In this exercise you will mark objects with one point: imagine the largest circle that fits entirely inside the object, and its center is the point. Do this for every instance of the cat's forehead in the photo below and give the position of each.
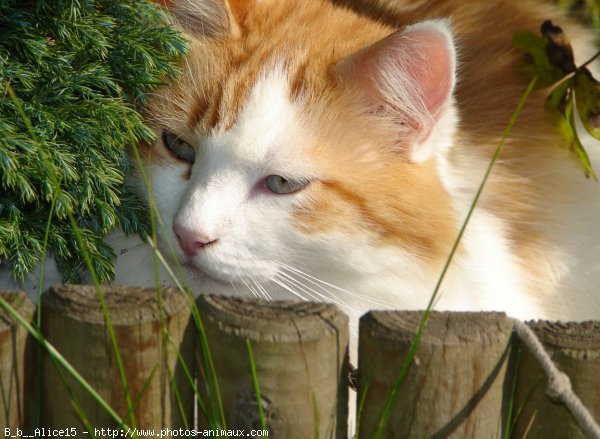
(268, 124)
(220, 74)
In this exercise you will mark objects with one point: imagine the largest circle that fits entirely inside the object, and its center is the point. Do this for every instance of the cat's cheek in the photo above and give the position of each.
(167, 191)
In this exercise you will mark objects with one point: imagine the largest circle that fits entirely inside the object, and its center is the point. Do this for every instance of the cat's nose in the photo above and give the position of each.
(191, 241)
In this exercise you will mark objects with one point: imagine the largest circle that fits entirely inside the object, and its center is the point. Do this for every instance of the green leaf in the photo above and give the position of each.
(587, 99)
(26, 189)
(568, 127)
(539, 65)
(556, 100)
(560, 102)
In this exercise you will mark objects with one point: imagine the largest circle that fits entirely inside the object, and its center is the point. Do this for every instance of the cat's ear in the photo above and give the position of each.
(407, 78)
(209, 17)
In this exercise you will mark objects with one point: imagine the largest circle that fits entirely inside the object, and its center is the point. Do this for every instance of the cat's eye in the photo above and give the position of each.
(179, 147)
(279, 185)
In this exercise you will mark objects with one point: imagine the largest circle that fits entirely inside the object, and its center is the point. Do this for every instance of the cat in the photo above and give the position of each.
(329, 151)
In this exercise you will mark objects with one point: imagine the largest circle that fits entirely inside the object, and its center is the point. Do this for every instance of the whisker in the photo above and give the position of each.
(277, 280)
(330, 298)
(233, 285)
(252, 290)
(318, 282)
(312, 292)
(260, 288)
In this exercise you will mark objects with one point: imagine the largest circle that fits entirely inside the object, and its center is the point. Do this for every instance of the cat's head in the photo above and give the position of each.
(301, 141)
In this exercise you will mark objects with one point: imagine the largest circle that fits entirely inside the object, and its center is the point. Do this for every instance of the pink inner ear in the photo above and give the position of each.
(432, 67)
(414, 67)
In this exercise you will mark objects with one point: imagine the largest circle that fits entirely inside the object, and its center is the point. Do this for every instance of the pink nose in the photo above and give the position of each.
(191, 241)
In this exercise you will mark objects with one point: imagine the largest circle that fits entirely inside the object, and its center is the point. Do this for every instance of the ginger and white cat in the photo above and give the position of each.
(309, 151)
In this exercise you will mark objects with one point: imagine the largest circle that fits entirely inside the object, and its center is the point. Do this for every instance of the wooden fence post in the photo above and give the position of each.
(454, 388)
(301, 356)
(16, 365)
(73, 321)
(575, 349)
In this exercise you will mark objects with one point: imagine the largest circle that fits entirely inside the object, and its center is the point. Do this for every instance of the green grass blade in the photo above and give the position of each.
(509, 425)
(38, 320)
(180, 406)
(316, 416)
(361, 405)
(190, 379)
(261, 413)
(43, 262)
(521, 407)
(74, 400)
(165, 338)
(143, 390)
(83, 418)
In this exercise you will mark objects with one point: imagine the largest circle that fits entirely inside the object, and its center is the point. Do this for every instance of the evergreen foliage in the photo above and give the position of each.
(73, 76)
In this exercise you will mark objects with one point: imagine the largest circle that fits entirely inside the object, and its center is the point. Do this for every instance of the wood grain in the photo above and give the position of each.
(454, 388)
(74, 323)
(301, 356)
(16, 364)
(575, 349)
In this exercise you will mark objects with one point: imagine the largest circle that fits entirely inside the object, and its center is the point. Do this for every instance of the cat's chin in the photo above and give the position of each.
(201, 282)
(196, 274)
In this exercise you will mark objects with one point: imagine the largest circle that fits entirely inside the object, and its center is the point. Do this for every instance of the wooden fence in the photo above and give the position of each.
(470, 377)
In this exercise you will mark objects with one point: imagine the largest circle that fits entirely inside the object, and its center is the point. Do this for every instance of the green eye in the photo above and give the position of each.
(180, 148)
(279, 185)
